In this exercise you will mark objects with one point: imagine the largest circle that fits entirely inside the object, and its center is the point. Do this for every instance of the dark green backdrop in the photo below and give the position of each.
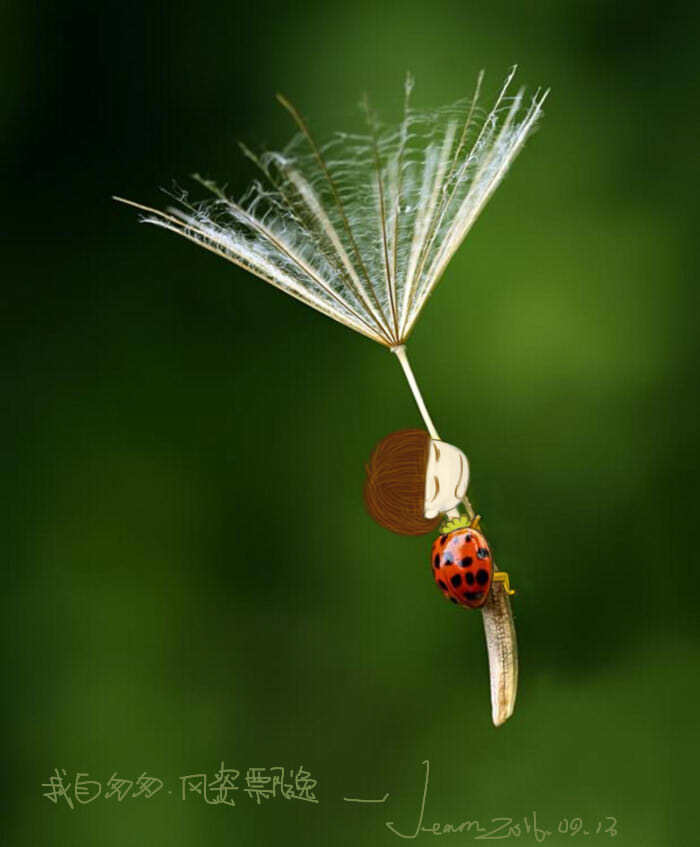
(189, 573)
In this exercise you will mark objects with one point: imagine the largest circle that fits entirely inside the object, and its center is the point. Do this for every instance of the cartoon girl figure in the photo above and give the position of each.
(414, 485)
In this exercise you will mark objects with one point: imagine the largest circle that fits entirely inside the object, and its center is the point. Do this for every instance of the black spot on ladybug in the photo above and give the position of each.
(473, 595)
(466, 561)
(442, 585)
(469, 576)
(469, 537)
(482, 553)
(452, 600)
(436, 561)
(448, 559)
(456, 580)
(482, 576)
(443, 540)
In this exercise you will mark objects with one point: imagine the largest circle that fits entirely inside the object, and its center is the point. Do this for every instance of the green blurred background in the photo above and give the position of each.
(189, 572)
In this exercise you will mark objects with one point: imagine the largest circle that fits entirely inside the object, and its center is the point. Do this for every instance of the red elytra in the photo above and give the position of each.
(463, 566)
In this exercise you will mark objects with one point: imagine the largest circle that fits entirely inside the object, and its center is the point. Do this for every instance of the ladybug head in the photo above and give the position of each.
(411, 479)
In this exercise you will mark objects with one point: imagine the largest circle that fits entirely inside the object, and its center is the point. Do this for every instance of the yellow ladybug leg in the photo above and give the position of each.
(475, 521)
(502, 576)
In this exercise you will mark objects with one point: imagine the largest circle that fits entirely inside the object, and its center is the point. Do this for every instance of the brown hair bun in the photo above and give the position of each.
(395, 484)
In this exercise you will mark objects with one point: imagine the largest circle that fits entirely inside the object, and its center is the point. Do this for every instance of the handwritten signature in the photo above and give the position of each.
(499, 828)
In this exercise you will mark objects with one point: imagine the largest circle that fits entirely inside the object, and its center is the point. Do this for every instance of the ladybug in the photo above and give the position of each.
(462, 564)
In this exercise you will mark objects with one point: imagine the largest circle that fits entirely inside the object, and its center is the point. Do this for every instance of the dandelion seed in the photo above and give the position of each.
(362, 228)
